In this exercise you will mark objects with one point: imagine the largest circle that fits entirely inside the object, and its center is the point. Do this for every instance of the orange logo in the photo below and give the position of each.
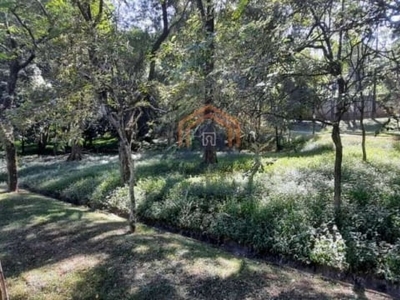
(209, 112)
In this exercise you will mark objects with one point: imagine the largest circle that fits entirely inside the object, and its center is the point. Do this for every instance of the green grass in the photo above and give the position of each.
(52, 250)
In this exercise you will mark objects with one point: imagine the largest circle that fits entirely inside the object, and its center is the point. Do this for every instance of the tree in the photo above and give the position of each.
(115, 67)
(27, 26)
(363, 78)
(334, 29)
(206, 10)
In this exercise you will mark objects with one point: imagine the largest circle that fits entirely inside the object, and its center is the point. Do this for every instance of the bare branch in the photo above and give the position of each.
(182, 15)
(305, 74)
(23, 24)
(27, 61)
(43, 9)
(328, 49)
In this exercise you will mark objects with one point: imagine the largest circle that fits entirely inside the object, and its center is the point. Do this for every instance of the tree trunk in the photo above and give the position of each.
(338, 166)
(259, 118)
(23, 146)
(157, 44)
(131, 191)
(7, 129)
(128, 166)
(123, 162)
(42, 143)
(373, 112)
(363, 137)
(11, 157)
(76, 152)
(7, 139)
(277, 140)
(3, 287)
(41, 146)
(206, 11)
(210, 155)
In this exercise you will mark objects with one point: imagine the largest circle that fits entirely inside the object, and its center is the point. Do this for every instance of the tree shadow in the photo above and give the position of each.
(38, 233)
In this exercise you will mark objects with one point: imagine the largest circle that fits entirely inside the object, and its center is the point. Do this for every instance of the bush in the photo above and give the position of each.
(79, 191)
(117, 201)
(109, 182)
(392, 263)
(329, 248)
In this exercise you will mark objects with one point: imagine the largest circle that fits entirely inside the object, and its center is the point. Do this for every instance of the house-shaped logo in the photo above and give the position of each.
(209, 112)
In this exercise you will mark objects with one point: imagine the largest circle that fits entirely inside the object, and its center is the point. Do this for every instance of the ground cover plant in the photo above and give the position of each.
(53, 250)
(285, 209)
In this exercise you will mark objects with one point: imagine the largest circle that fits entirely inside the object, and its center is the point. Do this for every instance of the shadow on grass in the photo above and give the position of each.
(42, 235)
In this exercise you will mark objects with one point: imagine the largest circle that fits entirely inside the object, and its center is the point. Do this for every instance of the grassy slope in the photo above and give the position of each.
(51, 250)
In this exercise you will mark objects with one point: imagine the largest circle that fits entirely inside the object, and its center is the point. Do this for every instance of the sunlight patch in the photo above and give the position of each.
(78, 263)
(220, 267)
(142, 249)
(111, 233)
(41, 277)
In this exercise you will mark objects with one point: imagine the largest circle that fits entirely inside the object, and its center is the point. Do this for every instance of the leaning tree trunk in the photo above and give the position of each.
(124, 168)
(76, 152)
(131, 191)
(3, 287)
(128, 164)
(338, 167)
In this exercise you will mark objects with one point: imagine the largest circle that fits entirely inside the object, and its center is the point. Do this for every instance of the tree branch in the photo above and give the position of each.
(100, 14)
(200, 7)
(159, 40)
(27, 61)
(43, 9)
(84, 13)
(22, 23)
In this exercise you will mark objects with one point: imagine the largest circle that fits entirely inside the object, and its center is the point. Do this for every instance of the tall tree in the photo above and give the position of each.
(334, 29)
(27, 26)
(206, 10)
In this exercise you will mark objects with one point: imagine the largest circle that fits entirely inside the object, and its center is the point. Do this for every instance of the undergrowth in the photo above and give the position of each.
(285, 209)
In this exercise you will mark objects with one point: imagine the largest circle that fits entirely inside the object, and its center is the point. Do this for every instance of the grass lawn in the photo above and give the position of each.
(52, 250)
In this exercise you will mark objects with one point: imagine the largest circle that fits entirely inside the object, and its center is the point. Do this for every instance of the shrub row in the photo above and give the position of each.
(286, 210)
